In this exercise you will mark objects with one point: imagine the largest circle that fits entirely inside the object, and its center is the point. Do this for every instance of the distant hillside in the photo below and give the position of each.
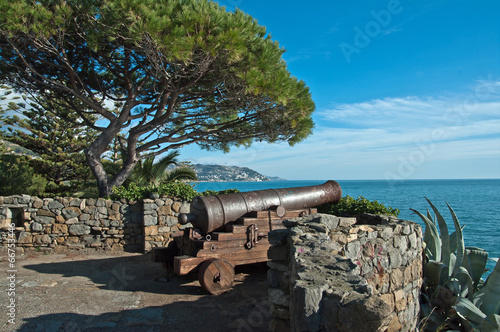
(12, 148)
(219, 173)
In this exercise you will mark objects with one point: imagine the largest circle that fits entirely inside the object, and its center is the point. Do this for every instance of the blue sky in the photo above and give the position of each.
(403, 89)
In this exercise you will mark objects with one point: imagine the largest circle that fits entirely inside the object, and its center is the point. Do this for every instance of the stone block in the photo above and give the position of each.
(412, 238)
(376, 315)
(396, 280)
(172, 221)
(386, 233)
(150, 207)
(388, 299)
(42, 239)
(305, 305)
(37, 203)
(53, 204)
(71, 212)
(164, 210)
(406, 229)
(346, 222)
(24, 238)
(394, 325)
(44, 220)
(164, 229)
(45, 213)
(93, 223)
(408, 274)
(26, 215)
(339, 238)
(395, 259)
(102, 210)
(75, 202)
(84, 217)
(185, 207)
(176, 206)
(72, 221)
(101, 202)
(151, 230)
(353, 249)
(79, 229)
(36, 227)
(115, 207)
(150, 220)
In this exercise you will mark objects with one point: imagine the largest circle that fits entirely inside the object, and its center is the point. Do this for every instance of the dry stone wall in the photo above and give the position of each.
(72, 223)
(345, 274)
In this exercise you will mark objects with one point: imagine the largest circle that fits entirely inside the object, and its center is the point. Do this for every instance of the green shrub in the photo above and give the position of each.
(131, 191)
(349, 206)
(180, 190)
(222, 192)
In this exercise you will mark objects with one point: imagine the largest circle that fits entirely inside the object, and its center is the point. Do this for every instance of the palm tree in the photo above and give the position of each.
(147, 172)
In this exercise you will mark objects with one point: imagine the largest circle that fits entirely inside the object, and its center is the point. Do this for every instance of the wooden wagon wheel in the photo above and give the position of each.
(216, 275)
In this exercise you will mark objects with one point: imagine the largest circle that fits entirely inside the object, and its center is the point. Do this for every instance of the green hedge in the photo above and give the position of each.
(180, 190)
(349, 206)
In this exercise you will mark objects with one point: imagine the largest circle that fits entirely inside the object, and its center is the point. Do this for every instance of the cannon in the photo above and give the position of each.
(231, 229)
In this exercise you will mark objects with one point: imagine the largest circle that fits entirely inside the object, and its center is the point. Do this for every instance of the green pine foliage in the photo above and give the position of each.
(17, 177)
(161, 73)
(57, 142)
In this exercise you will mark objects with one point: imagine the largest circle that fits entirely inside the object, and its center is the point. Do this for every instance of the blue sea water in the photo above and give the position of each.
(475, 202)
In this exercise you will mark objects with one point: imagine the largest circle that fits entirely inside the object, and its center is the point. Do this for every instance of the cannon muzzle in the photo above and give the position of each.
(210, 213)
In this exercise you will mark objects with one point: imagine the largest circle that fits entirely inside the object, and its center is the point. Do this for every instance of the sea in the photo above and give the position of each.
(475, 202)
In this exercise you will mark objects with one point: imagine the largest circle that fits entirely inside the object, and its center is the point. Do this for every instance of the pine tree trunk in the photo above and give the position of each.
(94, 162)
(104, 183)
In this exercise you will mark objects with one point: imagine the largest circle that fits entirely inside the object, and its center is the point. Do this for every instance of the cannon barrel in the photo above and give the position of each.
(210, 213)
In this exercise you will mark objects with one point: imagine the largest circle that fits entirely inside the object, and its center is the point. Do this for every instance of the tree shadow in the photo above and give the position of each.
(244, 308)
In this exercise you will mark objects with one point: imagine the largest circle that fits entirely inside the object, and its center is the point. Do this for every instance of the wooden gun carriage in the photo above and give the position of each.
(231, 229)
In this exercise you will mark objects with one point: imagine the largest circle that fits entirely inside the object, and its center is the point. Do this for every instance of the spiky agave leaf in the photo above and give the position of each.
(468, 310)
(475, 262)
(445, 238)
(436, 273)
(463, 283)
(460, 240)
(433, 241)
(488, 298)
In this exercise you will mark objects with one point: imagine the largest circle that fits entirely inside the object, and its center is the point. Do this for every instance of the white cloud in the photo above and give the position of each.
(368, 139)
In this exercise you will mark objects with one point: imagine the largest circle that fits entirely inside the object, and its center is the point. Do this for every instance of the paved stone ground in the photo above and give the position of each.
(120, 292)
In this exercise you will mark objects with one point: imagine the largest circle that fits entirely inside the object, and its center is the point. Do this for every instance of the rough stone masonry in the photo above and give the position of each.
(345, 274)
(52, 224)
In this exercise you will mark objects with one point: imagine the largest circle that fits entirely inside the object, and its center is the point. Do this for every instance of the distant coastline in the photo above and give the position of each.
(222, 173)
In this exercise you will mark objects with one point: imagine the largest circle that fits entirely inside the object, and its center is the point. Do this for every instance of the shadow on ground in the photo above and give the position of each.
(123, 295)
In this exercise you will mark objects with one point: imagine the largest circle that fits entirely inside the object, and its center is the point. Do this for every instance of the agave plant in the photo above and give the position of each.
(453, 272)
